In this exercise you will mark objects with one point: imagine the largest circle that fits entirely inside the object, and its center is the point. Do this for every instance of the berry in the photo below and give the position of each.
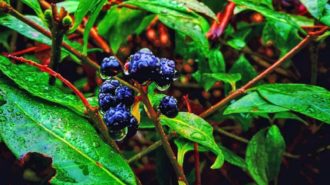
(117, 118)
(167, 72)
(110, 66)
(109, 86)
(132, 127)
(106, 100)
(125, 95)
(143, 65)
(168, 106)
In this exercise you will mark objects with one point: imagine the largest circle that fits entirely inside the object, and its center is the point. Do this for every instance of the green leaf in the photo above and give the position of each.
(69, 5)
(208, 79)
(315, 7)
(120, 22)
(36, 83)
(263, 155)
(79, 155)
(156, 6)
(253, 103)
(83, 9)
(239, 37)
(216, 61)
(269, 13)
(24, 29)
(196, 129)
(289, 115)
(91, 20)
(185, 146)
(35, 5)
(312, 101)
(326, 17)
(232, 158)
(243, 67)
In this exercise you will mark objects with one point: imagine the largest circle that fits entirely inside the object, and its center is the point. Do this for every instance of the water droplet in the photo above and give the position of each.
(163, 88)
(118, 135)
(104, 77)
(96, 144)
(164, 11)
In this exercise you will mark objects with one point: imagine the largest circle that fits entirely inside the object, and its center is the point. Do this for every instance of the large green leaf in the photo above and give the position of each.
(315, 7)
(232, 158)
(216, 61)
(312, 101)
(208, 79)
(326, 16)
(79, 155)
(243, 67)
(263, 155)
(196, 129)
(35, 5)
(177, 5)
(253, 103)
(69, 5)
(36, 83)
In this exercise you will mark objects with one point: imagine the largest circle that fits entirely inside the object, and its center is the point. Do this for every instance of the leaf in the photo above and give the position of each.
(185, 146)
(243, 67)
(196, 129)
(269, 13)
(120, 22)
(208, 79)
(216, 61)
(83, 9)
(36, 83)
(253, 103)
(239, 37)
(178, 5)
(25, 30)
(35, 5)
(263, 155)
(69, 5)
(91, 20)
(79, 155)
(312, 101)
(289, 115)
(232, 158)
(315, 7)
(326, 17)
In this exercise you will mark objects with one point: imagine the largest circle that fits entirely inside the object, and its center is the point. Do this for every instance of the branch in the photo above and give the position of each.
(154, 116)
(92, 112)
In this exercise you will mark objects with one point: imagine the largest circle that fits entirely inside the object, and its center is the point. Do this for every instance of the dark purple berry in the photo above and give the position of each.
(109, 86)
(125, 95)
(143, 65)
(117, 118)
(110, 66)
(168, 106)
(106, 100)
(132, 127)
(166, 73)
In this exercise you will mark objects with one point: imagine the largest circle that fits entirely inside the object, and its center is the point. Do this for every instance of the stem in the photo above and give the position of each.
(92, 112)
(164, 138)
(243, 89)
(152, 147)
(196, 154)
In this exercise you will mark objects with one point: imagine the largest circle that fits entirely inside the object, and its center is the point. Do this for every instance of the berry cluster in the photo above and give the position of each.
(115, 99)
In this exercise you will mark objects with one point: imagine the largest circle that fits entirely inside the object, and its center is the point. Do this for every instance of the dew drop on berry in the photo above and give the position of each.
(104, 77)
(118, 135)
(163, 88)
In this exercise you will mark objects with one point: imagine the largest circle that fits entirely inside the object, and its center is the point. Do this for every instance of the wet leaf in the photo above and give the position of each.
(36, 82)
(315, 7)
(69, 5)
(263, 155)
(78, 153)
(312, 101)
(196, 129)
(35, 5)
(216, 61)
(243, 67)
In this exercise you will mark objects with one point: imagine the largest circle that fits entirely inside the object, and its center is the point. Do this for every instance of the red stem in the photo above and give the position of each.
(196, 153)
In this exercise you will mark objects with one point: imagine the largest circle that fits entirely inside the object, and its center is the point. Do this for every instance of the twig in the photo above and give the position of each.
(154, 116)
(152, 147)
(92, 112)
(196, 154)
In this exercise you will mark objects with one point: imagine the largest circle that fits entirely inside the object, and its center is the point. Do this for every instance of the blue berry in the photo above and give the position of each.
(168, 106)
(106, 100)
(132, 127)
(143, 65)
(117, 118)
(109, 86)
(125, 95)
(110, 66)
(166, 73)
